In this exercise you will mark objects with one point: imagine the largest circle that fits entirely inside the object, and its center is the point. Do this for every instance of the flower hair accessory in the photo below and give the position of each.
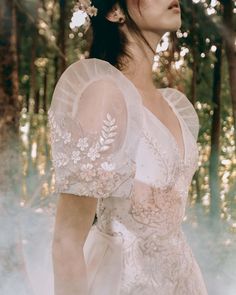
(82, 12)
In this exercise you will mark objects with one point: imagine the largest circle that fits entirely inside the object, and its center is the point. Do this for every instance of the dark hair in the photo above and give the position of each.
(108, 41)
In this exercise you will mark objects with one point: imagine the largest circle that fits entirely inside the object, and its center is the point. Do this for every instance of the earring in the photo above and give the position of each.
(121, 20)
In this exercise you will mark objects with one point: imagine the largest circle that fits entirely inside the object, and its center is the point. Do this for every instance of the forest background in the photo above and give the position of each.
(37, 44)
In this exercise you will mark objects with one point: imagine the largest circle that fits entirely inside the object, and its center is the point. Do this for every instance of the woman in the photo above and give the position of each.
(127, 151)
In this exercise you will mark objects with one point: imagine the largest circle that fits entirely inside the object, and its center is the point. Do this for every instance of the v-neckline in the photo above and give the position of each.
(181, 158)
(170, 134)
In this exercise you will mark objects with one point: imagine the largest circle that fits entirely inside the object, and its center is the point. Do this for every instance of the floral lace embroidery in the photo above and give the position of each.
(173, 169)
(88, 164)
(170, 169)
(156, 256)
(93, 152)
(164, 206)
(163, 210)
(168, 265)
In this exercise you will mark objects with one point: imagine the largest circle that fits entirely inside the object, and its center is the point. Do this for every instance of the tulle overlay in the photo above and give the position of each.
(107, 145)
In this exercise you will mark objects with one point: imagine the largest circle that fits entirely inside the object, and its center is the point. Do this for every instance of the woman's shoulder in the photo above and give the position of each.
(85, 64)
(82, 72)
(91, 69)
(86, 77)
(95, 78)
(85, 72)
(185, 108)
(88, 70)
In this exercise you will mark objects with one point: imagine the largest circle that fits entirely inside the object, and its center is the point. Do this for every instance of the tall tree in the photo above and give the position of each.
(12, 259)
(215, 132)
(33, 69)
(62, 34)
(229, 33)
(9, 103)
(10, 106)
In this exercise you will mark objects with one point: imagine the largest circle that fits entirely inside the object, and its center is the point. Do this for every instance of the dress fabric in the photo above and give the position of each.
(106, 144)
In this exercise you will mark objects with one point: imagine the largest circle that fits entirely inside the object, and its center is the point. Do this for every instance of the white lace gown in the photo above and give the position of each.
(106, 144)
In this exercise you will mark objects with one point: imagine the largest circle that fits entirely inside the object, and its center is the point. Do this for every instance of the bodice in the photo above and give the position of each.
(157, 202)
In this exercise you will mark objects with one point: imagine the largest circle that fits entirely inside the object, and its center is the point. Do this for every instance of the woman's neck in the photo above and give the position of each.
(139, 69)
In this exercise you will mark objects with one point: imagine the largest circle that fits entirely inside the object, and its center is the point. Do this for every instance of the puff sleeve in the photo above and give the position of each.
(185, 109)
(88, 131)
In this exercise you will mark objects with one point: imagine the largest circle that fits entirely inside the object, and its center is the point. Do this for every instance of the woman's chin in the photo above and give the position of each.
(175, 27)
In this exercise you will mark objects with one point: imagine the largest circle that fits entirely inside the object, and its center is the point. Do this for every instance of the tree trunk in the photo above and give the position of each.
(27, 101)
(194, 78)
(12, 271)
(230, 49)
(62, 34)
(215, 134)
(9, 104)
(45, 84)
(37, 101)
(197, 177)
(194, 56)
(33, 82)
(56, 70)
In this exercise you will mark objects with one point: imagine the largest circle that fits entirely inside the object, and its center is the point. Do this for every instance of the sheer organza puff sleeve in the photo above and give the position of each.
(90, 120)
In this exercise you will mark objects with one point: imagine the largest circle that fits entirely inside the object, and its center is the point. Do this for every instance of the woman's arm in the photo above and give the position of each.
(74, 218)
(88, 121)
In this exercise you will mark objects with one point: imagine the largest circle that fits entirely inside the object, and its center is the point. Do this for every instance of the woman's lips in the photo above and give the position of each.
(175, 9)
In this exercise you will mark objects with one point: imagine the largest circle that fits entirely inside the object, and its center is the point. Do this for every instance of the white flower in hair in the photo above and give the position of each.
(82, 10)
(78, 19)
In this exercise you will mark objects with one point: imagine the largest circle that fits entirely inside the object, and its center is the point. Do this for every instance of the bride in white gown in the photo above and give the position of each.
(127, 151)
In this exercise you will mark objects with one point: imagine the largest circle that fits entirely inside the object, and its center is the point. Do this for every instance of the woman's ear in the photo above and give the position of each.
(116, 15)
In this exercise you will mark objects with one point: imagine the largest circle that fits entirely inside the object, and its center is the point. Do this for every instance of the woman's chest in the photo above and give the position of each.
(158, 158)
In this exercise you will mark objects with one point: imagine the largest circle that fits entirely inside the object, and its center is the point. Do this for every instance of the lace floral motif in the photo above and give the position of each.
(83, 148)
(170, 169)
(85, 161)
(165, 267)
(163, 210)
(174, 168)
(151, 268)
